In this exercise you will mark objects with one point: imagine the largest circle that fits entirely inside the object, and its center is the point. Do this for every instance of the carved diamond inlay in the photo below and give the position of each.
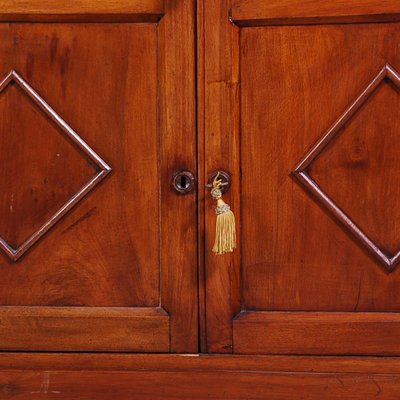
(96, 170)
(302, 170)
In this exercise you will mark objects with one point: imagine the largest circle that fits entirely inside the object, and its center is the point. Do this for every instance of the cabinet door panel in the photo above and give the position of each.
(315, 134)
(89, 141)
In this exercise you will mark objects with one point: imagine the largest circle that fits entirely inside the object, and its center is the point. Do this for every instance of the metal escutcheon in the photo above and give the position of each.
(183, 182)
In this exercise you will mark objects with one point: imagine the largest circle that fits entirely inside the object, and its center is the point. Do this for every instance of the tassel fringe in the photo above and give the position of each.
(225, 233)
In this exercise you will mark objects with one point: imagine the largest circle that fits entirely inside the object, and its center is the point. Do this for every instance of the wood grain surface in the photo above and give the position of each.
(152, 377)
(286, 86)
(115, 252)
(178, 146)
(84, 329)
(77, 10)
(289, 12)
(219, 140)
(317, 333)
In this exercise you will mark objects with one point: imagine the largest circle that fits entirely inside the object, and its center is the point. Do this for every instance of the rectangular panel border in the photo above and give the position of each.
(292, 12)
(79, 11)
(84, 329)
(317, 333)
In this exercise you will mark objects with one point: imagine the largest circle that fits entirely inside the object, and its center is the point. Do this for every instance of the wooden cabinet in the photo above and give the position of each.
(103, 261)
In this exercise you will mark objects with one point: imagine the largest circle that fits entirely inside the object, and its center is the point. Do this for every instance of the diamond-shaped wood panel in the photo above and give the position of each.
(58, 200)
(302, 170)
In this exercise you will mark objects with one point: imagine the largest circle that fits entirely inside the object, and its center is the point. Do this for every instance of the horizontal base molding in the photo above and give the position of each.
(319, 333)
(84, 329)
(145, 377)
(197, 362)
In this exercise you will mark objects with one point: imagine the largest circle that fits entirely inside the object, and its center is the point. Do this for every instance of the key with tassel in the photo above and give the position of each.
(225, 233)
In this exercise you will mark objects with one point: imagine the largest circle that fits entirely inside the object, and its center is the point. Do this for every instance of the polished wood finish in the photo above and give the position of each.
(63, 269)
(105, 277)
(118, 272)
(178, 147)
(13, 222)
(323, 268)
(318, 101)
(199, 377)
(66, 329)
(201, 173)
(219, 139)
(289, 12)
(237, 385)
(197, 362)
(317, 333)
(77, 10)
(390, 257)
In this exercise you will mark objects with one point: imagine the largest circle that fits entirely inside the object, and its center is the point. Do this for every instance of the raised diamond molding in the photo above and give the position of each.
(103, 169)
(301, 170)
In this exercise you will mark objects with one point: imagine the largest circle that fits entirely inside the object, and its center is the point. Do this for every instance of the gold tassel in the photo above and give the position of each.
(225, 233)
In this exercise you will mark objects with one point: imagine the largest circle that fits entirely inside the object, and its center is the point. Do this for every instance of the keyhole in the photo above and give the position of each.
(183, 182)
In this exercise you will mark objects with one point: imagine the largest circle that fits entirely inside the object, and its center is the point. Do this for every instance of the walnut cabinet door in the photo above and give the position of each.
(300, 103)
(97, 105)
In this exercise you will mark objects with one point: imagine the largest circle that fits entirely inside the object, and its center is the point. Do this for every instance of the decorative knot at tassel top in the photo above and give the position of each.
(225, 234)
